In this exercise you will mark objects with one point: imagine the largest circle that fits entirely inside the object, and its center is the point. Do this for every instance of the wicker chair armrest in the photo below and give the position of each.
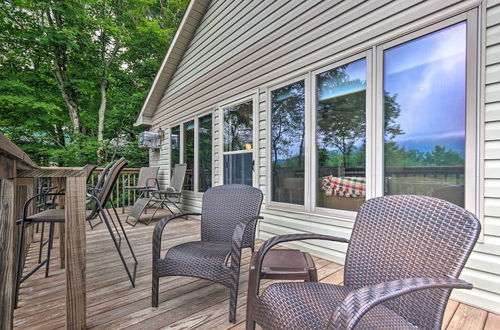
(158, 230)
(360, 301)
(237, 241)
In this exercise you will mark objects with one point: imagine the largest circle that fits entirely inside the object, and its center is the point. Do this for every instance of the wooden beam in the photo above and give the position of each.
(75, 253)
(7, 252)
(9, 150)
(7, 168)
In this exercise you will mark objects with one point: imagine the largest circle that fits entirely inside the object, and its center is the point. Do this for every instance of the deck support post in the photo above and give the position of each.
(75, 253)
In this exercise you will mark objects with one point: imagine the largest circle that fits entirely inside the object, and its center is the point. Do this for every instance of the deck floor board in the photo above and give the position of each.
(185, 303)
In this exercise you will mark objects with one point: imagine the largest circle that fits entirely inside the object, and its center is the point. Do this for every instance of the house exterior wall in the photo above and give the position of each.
(244, 46)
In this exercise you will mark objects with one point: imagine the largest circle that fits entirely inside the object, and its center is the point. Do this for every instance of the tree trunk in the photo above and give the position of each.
(102, 112)
(60, 66)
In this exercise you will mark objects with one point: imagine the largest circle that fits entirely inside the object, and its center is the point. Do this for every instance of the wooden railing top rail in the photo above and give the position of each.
(10, 150)
(12, 158)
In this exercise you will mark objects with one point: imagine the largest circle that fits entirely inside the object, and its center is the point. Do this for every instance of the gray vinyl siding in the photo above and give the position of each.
(483, 268)
(241, 46)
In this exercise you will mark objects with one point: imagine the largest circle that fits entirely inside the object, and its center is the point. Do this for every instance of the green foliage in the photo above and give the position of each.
(40, 40)
(439, 156)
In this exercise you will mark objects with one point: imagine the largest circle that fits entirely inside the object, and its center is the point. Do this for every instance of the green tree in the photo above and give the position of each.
(77, 73)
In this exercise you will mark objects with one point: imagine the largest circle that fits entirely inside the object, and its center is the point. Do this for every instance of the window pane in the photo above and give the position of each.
(175, 150)
(424, 90)
(189, 154)
(205, 153)
(287, 143)
(238, 127)
(238, 168)
(340, 136)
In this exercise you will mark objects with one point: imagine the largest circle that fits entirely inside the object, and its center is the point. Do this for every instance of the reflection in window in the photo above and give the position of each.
(238, 143)
(238, 168)
(189, 154)
(287, 143)
(175, 150)
(424, 88)
(340, 136)
(204, 153)
(238, 127)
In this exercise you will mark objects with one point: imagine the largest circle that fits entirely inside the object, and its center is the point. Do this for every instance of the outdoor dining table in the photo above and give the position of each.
(18, 177)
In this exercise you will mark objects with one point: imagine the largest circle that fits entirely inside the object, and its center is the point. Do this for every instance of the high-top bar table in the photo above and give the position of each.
(18, 176)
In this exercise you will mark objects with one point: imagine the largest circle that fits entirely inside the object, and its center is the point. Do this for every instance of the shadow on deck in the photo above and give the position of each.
(185, 302)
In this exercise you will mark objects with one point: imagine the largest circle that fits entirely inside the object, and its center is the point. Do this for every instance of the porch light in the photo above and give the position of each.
(248, 146)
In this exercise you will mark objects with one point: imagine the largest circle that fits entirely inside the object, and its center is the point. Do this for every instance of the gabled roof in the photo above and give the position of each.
(194, 13)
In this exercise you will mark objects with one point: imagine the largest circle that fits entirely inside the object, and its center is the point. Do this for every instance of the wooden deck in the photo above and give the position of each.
(185, 303)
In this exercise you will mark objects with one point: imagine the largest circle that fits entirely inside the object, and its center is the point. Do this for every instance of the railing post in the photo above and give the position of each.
(7, 252)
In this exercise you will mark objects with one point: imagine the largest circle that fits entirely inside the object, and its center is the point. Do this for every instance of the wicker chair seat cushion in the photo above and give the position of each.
(309, 305)
(204, 259)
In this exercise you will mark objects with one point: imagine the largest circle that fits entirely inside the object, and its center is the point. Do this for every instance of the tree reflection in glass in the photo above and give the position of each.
(287, 143)
(340, 136)
(189, 154)
(175, 150)
(238, 127)
(205, 153)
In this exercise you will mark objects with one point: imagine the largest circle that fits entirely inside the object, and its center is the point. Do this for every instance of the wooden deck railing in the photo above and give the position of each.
(128, 177)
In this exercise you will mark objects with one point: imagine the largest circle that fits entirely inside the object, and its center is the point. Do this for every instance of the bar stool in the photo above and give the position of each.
(53, 216)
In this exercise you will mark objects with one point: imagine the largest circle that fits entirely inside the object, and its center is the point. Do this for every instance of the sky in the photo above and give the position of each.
(429, 77)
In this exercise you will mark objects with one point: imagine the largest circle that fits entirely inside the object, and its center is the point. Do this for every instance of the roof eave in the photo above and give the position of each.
(194, 13)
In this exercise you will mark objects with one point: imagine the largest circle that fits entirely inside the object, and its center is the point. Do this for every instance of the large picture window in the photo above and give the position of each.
(189, 155)
(425, 115)
(175, 147)
(288, 143)
(191, 144)
(341, 136)
(238, 143)
(397, 118)
(204, 153)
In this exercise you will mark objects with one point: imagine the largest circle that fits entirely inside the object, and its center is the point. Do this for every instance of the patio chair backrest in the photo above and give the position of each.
(406, 236)
(102, 176)
(88, 169)
(224, 206)
(108, 185)
(177, 180)
(147, 176)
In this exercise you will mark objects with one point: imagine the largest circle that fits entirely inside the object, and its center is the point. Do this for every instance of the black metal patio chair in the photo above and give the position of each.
(147, 180)
(168, 198)
(403, 259)
(228, 218)
(53, 216)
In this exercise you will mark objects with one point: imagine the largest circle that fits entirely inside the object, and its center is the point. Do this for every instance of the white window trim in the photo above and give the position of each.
(252, 95)
(307, 173)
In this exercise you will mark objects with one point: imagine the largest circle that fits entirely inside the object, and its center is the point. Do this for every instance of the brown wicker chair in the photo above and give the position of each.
(228, 218)
(403, 259)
